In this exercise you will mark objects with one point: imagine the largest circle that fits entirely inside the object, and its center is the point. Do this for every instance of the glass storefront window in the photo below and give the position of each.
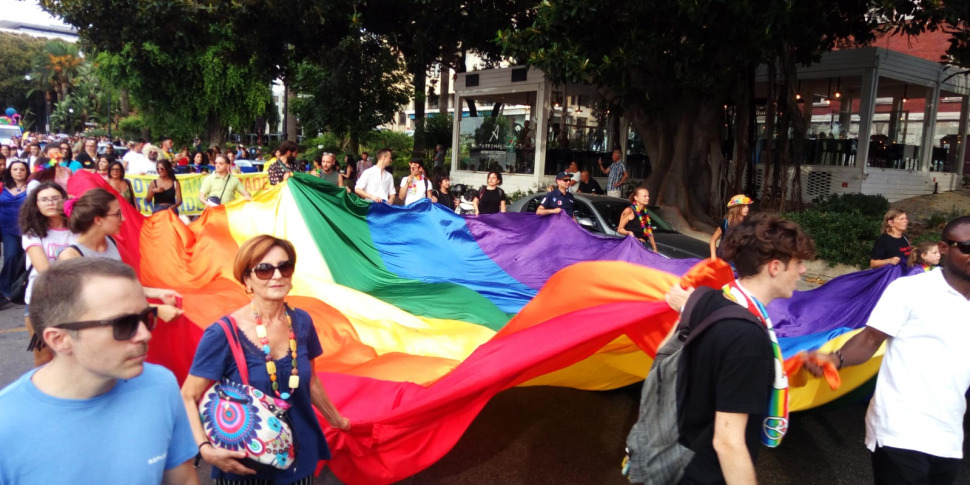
(577, 131)
(496, 136)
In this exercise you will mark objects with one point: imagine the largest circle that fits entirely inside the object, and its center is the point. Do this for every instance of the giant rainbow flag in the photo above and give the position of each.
(424, 314)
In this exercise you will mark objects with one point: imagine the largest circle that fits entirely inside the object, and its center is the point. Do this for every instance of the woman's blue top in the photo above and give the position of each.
(10, 210)
(213, 360)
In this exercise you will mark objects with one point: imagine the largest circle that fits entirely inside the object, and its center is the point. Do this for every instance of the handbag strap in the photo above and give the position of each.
(232, 336)
(229, 176)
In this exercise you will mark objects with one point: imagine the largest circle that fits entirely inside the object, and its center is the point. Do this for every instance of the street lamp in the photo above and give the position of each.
(27, 80)
(70, 120)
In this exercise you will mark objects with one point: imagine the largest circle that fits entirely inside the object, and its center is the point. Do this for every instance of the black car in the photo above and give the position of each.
(600, 214)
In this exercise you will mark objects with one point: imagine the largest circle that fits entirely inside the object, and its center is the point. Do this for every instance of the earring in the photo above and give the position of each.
(249, 290)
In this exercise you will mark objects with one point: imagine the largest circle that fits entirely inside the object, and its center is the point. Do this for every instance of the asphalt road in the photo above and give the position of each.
(545, 435)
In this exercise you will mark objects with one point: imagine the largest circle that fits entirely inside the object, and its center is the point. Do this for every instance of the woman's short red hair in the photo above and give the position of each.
(254, 250)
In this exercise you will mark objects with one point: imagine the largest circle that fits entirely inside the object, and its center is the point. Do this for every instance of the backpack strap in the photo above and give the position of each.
(729, 312)
(232, 336)
(684, 328)
(689, 329)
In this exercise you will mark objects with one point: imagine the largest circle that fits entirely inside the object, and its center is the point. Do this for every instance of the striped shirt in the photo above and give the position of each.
(617, 169)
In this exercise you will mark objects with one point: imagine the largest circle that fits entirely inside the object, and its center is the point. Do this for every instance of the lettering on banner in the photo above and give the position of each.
(190, 184)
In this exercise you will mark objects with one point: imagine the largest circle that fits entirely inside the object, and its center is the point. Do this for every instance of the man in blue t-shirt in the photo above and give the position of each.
(559, 200)
(96, 413)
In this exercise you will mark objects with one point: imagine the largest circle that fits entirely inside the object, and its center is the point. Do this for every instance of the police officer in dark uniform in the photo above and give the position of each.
(559, 200)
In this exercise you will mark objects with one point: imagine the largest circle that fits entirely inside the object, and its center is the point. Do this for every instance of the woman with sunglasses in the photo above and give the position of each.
(117, 181)
(268, 330)
(164, 192)
(45, 233)
(95, 218)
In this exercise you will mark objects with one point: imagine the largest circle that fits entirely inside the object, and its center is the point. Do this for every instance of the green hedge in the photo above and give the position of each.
(844, 227)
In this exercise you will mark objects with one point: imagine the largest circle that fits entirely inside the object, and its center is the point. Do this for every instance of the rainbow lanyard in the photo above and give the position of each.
(775, 424)
(644, 218)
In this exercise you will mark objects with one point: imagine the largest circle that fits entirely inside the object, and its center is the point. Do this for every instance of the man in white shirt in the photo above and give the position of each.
(136, 163)
(376, 183)
(914, 426)
(416, 185)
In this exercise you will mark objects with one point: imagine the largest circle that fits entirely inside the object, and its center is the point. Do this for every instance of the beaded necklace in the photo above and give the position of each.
(261, 333)
(644, 218)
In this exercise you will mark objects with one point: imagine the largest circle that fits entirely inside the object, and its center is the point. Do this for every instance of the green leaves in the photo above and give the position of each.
(844, 227)
(369, 78)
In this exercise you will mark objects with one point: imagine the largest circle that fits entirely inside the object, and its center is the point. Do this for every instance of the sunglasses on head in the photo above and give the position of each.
(963, 246)
(124, 327)
(265, 271)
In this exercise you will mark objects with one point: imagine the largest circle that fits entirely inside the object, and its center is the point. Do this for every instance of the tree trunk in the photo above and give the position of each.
(291, 117)
(353, 146)
(444, 97)
(683, 147)
(420, 94)
(796, 119)
(743, 131)
(125, 104)
(62, 91)
(767, 157)
(217, 134)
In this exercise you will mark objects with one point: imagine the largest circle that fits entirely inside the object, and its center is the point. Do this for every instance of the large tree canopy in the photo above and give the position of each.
(369, 78)
(183, 63)
(17, 52)
(675, 65)
(429, 32)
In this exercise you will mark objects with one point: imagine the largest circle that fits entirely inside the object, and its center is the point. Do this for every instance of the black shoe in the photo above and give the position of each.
(4, 302)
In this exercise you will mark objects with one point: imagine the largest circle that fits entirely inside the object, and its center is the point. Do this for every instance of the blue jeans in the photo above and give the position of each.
(12, 248)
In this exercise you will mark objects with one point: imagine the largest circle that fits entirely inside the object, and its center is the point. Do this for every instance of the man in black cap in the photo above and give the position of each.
(559, 200)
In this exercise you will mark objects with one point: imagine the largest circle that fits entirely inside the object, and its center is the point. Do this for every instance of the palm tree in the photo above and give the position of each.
(57, 65)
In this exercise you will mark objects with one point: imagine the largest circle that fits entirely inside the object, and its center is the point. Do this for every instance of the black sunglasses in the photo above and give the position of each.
(125, 327)
(265, 271)
(963, 246)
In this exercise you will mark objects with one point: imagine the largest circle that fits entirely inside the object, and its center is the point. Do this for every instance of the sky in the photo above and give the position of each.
(27, 11)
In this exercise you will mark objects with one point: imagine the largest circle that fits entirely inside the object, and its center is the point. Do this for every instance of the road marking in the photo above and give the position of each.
(13, 330)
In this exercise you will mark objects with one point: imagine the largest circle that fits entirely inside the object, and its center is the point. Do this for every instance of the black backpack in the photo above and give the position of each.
(482, 189)
(655, 455)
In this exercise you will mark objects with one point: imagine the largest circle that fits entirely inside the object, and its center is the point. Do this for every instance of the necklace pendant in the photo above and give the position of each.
(294, 382)
(261, 331)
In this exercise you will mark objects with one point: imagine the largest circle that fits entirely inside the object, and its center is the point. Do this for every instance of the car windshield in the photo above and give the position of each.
(611, 211)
